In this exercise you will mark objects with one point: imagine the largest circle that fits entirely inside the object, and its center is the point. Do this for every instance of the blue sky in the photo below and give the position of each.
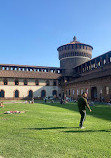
(32, 30)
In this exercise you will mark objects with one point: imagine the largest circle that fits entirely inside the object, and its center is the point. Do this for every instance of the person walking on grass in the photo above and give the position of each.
(82, 104)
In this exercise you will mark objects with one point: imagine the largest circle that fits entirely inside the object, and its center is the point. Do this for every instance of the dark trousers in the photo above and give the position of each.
(83, 116)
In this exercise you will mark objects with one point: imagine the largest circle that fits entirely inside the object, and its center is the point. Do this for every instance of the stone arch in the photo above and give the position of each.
(54, 93)
(30, 93)
(43, 93)
(2, 93)
(16, 93)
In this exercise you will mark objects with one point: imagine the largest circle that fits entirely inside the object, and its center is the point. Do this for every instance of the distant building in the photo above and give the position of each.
(26, 82)
(77, 73)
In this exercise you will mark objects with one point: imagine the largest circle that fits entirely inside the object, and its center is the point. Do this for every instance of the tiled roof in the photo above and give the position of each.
(75, 42)
(28, 74)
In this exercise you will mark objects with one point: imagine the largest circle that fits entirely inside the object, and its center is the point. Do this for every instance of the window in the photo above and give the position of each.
(107, 90)
(36, 82)
(47, 83)
(5, 82)
(99, 63)
(104, 61)
(30, 94)
(81, 91)
(16, 94)
(77, 92)
(101, 91)
(16, 82)
(54, 93)
(69, 91)
(2, 94)
(25, 82)
(43, 93)
(86, 90)
(54, 83)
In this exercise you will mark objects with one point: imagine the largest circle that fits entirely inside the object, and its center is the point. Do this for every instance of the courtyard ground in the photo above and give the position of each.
(51, 131)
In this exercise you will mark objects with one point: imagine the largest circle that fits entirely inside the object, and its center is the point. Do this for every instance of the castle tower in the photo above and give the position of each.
(73, 54)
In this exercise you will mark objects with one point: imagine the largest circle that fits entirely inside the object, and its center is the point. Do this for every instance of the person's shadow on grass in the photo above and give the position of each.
(70, 131)
(49, 128)
(85, 131)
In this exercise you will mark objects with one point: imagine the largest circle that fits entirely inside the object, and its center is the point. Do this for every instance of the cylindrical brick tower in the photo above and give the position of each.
(73, 54)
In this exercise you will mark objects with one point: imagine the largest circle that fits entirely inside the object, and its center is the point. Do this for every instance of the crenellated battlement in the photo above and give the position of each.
(96, 63)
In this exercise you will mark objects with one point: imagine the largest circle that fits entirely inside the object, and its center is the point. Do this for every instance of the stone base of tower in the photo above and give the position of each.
(69, 63)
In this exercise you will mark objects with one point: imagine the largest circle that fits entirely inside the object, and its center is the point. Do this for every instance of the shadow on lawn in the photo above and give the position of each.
(72, 131)
(99, 110)
(85, 131)
(50, 128)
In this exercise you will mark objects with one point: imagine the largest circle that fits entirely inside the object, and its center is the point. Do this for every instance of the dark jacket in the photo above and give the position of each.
(82, 104)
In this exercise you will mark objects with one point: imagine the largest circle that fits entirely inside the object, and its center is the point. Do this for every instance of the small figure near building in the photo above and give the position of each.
(1, 105)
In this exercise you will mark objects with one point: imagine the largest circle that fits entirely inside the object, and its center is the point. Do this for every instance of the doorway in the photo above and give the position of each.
(94, 93)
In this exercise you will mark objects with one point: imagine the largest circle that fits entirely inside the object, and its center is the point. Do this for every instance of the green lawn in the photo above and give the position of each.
(51, 131)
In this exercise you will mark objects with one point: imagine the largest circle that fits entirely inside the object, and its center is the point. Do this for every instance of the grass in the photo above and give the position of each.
(51, 131)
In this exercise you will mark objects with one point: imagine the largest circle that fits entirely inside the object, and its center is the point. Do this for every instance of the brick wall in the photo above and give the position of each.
(99, 83)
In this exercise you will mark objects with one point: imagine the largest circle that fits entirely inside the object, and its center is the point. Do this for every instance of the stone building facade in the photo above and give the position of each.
(21, 82)
(77, 73)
